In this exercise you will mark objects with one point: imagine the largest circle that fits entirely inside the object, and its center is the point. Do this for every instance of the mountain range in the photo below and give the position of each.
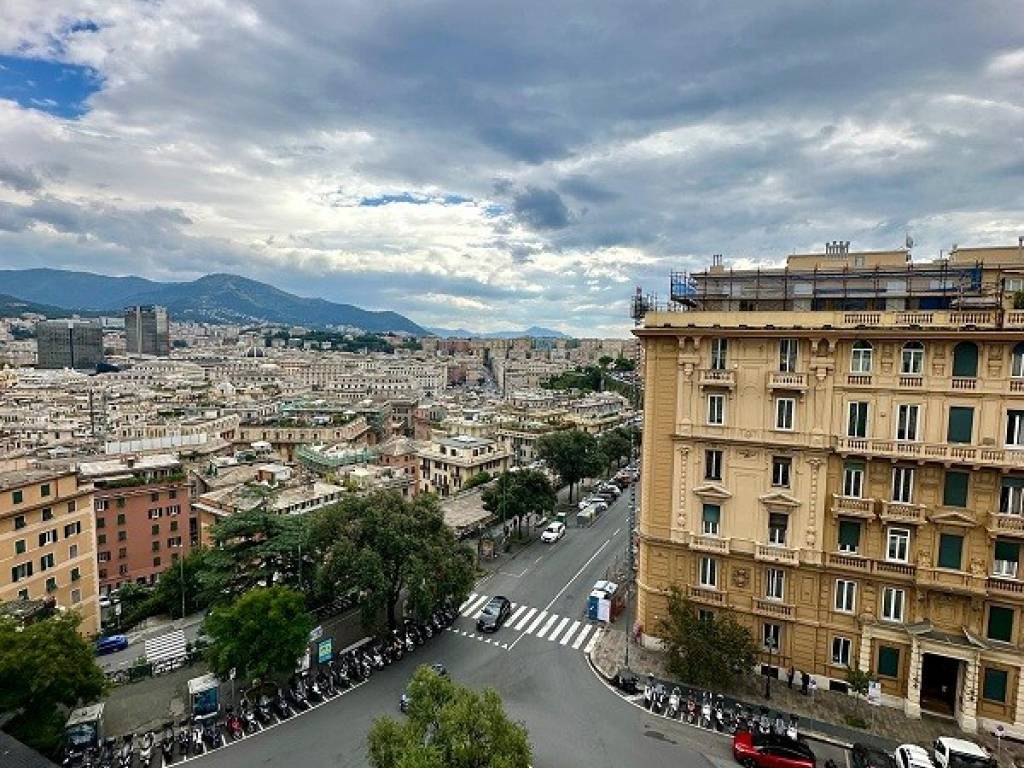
(216, 298)
(11, 306)
(534, 331)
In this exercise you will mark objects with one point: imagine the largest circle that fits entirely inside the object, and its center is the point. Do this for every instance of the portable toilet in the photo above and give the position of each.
(203, 696)
(83, 731)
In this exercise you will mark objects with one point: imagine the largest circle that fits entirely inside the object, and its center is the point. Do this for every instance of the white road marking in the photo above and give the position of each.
(525, 619)
(518, 612)
(593, 640)
(465, 605)
(478, 603)
(582, 636)
(569, 633)
(536, 622)
(617, 531)
(558, 630)
(577, 574)
(547, 626)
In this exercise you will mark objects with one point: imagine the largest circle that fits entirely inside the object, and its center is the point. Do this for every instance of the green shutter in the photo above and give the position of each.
(888, 661)
(849, 533)
(965, 359)
(961, 424)
(712, 513)
(994, 688)
(1013, 481)
(954, 494)
(1007, 550)
(1000, 624)
(951, 549)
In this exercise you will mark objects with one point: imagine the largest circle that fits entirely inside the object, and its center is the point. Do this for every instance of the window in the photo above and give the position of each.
(120, 502)
(716, 409)
(787, 355)
(857, 423)
(853, 479)
(101, 505)
(47, 514)
(101, 522)
(44, 489)
(719, 349)
(711, 519)
(846, 592)
(893, 600)
(903, 484)
(1015, 429)
(771, 636)
(784, 409)
(703, 614)
(155, 513)
(155, 546)
(101, 538)
(155, 530)
(951, 550)
(174, 525)
(19, 547)
(778, 522)
(19, 522)
(154, 496)
(860, 357)
(122, 552)
(907, 421)
(781, 466)
(120, 518)
(1017, 362)
(898, 545)
(841, 651)
(76, 596)
(174, 541)
(961, 424)
(72, 552)
(888, 661)
(76, 574)
(774, 584)
(46, 562)
(994, 685)
(122, 570)
(17, 497)
(1005, 557)
(965, 360)
(712, 465)
(72, 506)
(122, 535)
(849, 536)
(72, 529)
(47, 537)
(1000, 624)
(912, 362)
(1011, 498)
(708, 572)
(51, 583)
(156, 562)
(21, 571)
(103, 557)
(954, 489)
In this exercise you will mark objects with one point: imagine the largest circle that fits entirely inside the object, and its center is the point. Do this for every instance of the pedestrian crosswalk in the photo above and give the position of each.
(169, 646)
(577, 634)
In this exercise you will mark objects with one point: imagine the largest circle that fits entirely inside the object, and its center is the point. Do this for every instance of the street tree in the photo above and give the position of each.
(616, 445)
(261, 633)
(389, 548)
(478, 479)
(859, 682)
(572, 454)
(518, 494)
(448, 726)
(46, 668)
(182, 584)
(605, 360)
(710, 652)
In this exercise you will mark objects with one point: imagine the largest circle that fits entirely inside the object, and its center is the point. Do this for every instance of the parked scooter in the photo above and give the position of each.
(793, 730)
(705, 710)
(146, 750)
(281, 706)
(649, 692)
(234, 725)
(167, 744)
(126, 754)
(197, 747)
(674, 702)
(184, 735)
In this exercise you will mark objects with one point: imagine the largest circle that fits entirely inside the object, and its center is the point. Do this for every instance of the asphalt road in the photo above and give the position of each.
(545, 682)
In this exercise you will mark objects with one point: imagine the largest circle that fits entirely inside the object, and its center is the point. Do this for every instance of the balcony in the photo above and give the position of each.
(953, 581)
(707, 595)
(712, 377)
(907, 381)
(1004, 586)
(790, 381)
(848, 562)
(1007, 525)
(771, 553)
(773, 608)
(709, 544)
(972, 455)
(894, 570)
(858, 379)
(851, 506)
(963, 383)
(899, 512)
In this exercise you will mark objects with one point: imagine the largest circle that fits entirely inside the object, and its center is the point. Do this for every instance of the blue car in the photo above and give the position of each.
(110, 644)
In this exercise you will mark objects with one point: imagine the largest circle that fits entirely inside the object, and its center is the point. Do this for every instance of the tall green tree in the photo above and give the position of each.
(261, 633)
(572, 454)
(448, 726)
(708, 652)
(389, 548)
(517, 494)
(616, 445)
(184, 580)
(45, 668)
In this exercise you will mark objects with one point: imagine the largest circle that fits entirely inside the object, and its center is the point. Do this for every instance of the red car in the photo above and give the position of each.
(755, 750)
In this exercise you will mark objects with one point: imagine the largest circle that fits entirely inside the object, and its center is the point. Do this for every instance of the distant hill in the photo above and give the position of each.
(534, 331)
(217, 298)
(14, 307)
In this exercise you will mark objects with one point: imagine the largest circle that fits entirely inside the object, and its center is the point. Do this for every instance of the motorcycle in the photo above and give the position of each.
(212, 734)
(403, 703)
(778, 726)
(793, 730)
(234, 725)
(108, 753)
(146, 750)
(183, 738)
(297, 695)
(264, 709)
(197, 747)
(649, 692)
(658, 700)
(249, 724)
(764, 725)
(705, 711)
(167, 744)
(314, 695)
(281, 705)
(691, 709)
(126, 754)
(673, 703)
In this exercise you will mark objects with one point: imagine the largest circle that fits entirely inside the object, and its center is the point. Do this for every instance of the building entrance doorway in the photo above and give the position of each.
(940, 680)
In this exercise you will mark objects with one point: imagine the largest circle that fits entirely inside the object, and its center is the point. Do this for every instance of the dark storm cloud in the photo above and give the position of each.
(540, 208)
(19, 178)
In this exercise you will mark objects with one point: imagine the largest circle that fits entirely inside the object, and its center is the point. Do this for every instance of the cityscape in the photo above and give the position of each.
(426, 386)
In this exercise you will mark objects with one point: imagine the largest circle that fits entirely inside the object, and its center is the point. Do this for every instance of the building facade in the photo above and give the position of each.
(147, 331)
(846, 473)
(446, 464)
(75, 344)
(47, 540)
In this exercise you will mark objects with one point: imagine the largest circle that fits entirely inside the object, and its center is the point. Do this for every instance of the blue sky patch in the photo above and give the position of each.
(49, 86)
(414, 199)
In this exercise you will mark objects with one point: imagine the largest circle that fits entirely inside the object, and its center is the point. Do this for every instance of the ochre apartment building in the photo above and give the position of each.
(834, 452)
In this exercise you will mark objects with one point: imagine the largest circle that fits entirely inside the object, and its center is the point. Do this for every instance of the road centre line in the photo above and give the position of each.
(577, 574)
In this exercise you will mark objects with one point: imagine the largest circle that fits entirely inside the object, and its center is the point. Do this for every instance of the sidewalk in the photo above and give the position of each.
(823, 716)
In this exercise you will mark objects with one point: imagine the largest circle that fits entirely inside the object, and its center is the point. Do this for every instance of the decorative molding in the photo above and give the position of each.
(712, 491)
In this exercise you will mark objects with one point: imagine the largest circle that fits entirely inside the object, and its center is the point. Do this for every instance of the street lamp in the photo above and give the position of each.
(773, 645)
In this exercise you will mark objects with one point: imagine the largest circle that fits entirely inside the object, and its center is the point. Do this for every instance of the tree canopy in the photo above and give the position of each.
(517, 494)
(478, 479)
(617, 444)
(710, 652)
(263, 632)
(44, 667)
(572, 454)
(448, 726)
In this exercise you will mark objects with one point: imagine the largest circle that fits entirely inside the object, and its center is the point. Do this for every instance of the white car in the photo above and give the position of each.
(553, 533)
(912, 756)
(590, 500)
(951, 752)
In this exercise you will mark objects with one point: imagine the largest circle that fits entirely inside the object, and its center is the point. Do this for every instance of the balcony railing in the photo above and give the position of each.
(1006, 586)
(902, 570)
(773, 608)
(953, 580)
(707, 595)
(900, 512)
(848, 562)
(713, 377)
(859, 379)
(773, 553)
(709, 544)
(963, 454)
(1012, 525)
(911, 381)
(963, 382)
(780, 380)
(851, 506)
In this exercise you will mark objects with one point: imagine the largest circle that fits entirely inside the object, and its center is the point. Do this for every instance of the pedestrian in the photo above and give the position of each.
(804, 682)
(790, 675)
(814, 686)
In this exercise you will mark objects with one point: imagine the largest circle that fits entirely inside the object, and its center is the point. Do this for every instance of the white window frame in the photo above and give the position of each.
(716, 398)
(788, 359)
(772, 531)
(709, 528)
(1017, 428)
(894, 601)
(713, 461)
(851, 421)
(775, 584)
(842, 648)
(861, 360)
(1016, 364)
(708, 576)
(782, 465)
(47, 561)
(1014, 500)
(785, 413)
(719, 354)
(908, 422)
(845, 595)
(853, 476)
(912, 359)
(902, 484)
(46, 538)
(900, 537)
(771, 635)
(1005, 569)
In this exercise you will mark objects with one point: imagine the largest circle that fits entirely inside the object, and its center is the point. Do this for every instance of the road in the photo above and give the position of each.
(545, 682)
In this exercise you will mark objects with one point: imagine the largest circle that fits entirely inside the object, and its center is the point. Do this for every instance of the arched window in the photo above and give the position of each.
(860, 357)
(1017, 362)
(965, 360)
(912, 362)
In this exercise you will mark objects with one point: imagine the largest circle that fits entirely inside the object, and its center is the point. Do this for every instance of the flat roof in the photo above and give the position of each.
(16, 478)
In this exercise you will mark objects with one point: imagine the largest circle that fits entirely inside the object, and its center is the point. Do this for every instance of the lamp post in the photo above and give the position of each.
(772, 646)
(181, 574)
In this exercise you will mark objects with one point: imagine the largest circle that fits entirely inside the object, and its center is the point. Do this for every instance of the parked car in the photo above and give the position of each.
(592, 499)
(553, 533)
(950, 752)
(757, 750)
(866, 756)
(111, 644)
(912, 756)
(611, 488)
(495, 613)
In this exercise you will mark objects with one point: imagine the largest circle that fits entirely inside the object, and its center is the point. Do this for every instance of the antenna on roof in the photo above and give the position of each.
(909, 241)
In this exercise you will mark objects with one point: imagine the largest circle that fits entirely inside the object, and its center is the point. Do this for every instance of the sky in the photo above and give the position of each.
(500, 165)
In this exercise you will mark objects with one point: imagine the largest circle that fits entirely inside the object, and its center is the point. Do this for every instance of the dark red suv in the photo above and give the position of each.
(755, 750)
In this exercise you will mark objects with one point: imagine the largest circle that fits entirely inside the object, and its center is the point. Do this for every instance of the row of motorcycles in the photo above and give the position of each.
(711, 711)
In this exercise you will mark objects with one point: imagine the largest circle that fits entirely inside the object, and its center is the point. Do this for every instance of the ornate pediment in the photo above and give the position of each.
(712, 491)
(779, 499)
(952, 517)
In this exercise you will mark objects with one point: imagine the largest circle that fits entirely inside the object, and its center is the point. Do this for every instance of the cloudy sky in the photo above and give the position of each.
(494, 165)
